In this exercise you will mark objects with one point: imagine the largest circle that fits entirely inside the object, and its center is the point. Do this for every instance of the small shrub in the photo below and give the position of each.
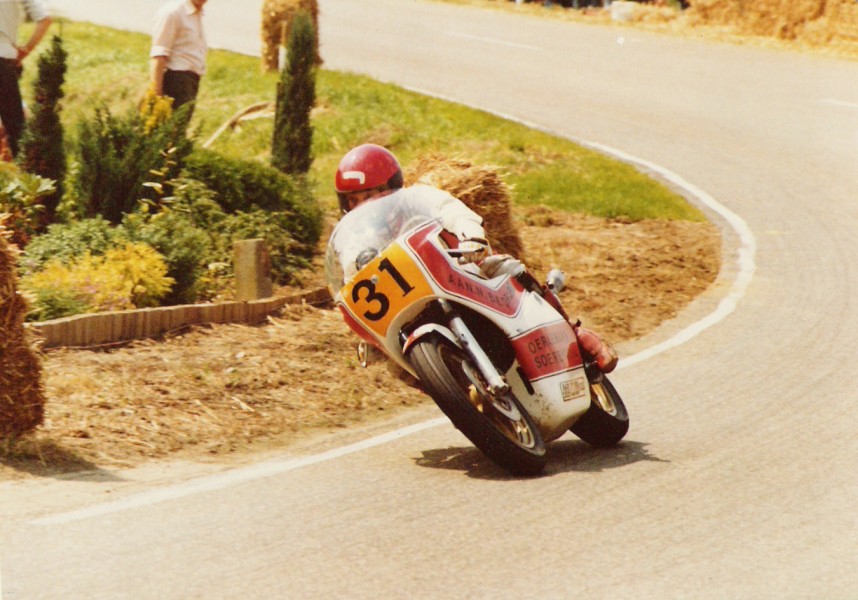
(21, 197)
(131, 276)
(186, 248)
(246, 186)
(117, 157)
(42, 145)
(296, 95)
(65, 241)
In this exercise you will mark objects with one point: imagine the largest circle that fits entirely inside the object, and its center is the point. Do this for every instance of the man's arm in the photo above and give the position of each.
(36, 37)
(157, 67)
(163, 36)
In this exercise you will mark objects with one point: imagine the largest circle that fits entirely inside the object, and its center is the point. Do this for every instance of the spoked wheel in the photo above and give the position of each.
(606, 422)
(500, 427)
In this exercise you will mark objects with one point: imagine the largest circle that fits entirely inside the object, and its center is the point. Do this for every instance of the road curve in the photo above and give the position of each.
(738, 477)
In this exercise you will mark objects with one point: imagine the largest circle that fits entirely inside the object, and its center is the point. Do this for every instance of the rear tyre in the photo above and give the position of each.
(500, 428)
(606, 422)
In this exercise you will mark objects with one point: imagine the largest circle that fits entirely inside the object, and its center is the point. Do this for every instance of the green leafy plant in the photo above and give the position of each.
(63, 242)
(130, 276)
(21, 196)
(186, 248)
(117, 157)
(247, 186)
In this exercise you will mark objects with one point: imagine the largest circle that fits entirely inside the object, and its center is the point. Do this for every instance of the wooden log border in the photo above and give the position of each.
(107, 328)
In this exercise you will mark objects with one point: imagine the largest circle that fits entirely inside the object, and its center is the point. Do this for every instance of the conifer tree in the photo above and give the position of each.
(43, 151)
(296, 96)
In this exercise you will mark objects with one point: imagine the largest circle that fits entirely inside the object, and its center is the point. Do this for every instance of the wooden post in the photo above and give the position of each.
(252, 270)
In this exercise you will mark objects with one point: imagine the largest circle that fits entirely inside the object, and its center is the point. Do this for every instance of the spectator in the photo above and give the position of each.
(178, 56)
(11, 62)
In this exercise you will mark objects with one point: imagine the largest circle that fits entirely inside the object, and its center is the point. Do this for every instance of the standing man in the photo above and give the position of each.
(178, 56)
(11, 61)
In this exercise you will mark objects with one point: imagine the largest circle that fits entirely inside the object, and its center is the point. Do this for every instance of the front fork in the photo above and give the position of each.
(496, 384)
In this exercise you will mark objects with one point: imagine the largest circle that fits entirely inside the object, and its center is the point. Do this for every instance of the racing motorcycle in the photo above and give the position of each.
(497, 355)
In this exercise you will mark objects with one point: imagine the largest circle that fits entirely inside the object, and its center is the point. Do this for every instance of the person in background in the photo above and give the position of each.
(178, 55)
(11, 61)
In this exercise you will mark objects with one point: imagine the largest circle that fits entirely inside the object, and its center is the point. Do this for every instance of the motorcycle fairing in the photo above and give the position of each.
(383, 290)
(547, 350)
(502, 296)
(549, 358)
(539, 399)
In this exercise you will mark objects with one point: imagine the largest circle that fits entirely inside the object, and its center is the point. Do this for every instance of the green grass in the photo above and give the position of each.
(111, 67)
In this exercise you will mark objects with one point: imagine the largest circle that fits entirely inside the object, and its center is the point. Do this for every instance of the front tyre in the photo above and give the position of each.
(500, 427)
(606, 422)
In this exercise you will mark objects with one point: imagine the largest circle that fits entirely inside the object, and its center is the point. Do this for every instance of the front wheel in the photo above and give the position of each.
(606, 422)
(500, 427)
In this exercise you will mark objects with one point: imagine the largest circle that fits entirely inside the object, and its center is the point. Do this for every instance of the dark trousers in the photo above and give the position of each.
(181, 86)
(11, 106)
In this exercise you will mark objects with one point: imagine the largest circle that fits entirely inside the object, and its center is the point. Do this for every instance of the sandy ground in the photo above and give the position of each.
(217, 393)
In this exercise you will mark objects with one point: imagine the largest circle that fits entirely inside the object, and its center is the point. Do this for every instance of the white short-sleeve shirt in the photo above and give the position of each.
(10, 18)
(178, 34)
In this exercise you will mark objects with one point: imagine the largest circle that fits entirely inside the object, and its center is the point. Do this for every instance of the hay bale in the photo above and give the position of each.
(277, 18)
(481, 188)
(782, 19)
(22, 398)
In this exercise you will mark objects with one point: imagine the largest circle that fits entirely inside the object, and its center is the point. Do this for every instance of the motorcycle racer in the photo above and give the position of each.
(369, 172)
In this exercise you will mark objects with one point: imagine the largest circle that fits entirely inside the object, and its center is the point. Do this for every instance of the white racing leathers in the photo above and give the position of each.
(454, 214)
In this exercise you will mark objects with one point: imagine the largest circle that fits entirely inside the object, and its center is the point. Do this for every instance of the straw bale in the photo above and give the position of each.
(480, 188)
(21, 396)
(277, 17)
(815, 21)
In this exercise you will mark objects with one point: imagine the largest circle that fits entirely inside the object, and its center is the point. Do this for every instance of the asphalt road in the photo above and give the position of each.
(738, 478)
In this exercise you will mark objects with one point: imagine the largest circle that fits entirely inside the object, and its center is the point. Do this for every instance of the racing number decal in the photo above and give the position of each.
(386, 287)
(371, 297)
(374, 297)
(386, 265)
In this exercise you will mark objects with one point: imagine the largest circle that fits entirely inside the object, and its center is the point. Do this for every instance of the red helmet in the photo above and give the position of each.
(366, 167)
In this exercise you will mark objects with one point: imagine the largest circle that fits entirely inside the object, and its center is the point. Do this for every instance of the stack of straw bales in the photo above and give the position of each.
(818, 20)
(21, 396)
(277, 17)
(481, 188)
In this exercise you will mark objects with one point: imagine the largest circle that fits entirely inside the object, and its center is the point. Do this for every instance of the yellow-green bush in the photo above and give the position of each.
(155, 110)
(126, 277)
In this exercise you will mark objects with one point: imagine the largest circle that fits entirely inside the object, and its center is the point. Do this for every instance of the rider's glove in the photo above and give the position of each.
(473, 250)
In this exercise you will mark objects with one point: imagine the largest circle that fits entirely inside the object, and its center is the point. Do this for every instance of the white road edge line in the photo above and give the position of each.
(746, 259)
(746, 268)
(230, 478)
(495, 41)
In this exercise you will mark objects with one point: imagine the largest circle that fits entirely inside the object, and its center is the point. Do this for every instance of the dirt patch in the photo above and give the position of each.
(216, 392)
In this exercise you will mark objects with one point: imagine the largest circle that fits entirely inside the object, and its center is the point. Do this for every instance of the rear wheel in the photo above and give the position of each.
(606, 422)
(500, 427)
